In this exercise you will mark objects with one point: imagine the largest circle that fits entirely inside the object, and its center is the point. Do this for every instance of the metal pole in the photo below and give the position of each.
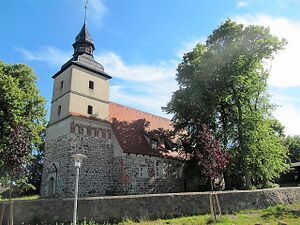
(76, 194)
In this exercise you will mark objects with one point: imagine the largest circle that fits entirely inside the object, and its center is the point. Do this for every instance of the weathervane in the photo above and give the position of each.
(85, 9)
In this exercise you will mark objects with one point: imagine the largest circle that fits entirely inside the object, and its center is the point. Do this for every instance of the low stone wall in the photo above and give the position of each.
(116, 208)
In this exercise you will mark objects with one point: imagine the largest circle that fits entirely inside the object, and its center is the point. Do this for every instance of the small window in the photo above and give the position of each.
(141, 172)
(90, 110)
(59, 110)
(153, 144)
(157, 169)
(61, 85)
(88, 49)
(91, 84)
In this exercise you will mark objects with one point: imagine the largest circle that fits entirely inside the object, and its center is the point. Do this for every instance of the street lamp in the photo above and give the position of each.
(78, 160)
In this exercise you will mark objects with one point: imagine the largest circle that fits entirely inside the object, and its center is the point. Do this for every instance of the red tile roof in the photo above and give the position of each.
(130, 127)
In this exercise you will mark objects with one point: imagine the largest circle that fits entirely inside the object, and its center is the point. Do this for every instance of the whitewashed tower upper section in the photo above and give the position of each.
(81, 87)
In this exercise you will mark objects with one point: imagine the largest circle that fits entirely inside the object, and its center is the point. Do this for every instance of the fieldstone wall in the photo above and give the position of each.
(58, 177)
(103, 172)
(152, 206)
(57, 165)
(138, 174)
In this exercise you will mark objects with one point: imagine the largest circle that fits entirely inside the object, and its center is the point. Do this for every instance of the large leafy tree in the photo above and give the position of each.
(22, 114)
(293, 145)
(223, 83)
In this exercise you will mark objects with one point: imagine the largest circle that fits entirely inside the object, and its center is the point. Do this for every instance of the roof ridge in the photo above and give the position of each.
(151, 114)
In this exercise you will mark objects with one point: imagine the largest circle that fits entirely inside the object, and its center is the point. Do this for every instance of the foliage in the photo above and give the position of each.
(35, 167)
(22, 114)
(205, 154)
(277, 127)
(293, 145)
(222, 83)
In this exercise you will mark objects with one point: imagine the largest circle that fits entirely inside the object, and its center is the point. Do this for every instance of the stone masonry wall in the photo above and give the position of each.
(96, 170)
(138, 174)
(57, 164)
(102, 173)
(100, 209)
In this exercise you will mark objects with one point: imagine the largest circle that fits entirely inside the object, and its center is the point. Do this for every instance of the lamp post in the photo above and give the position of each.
(78, 160)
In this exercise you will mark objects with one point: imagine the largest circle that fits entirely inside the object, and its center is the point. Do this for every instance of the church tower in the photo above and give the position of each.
(79, 124)
(81, 86)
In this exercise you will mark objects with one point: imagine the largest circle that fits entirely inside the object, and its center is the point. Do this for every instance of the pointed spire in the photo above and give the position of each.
(83, 42)
(83, 52)
(85, 10)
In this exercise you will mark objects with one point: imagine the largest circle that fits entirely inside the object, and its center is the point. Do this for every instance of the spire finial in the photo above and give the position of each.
(85, 9)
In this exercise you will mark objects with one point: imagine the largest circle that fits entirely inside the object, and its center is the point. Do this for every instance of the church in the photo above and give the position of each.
(123, 154)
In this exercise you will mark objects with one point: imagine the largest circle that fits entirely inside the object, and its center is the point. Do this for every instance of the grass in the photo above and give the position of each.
(289, 214)
(33, 197)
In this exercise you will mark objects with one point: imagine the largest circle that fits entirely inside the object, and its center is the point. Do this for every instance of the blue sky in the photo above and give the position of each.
(140, 43)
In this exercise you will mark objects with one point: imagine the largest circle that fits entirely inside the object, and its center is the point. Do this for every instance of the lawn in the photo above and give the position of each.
(33, 197)
(289, 214)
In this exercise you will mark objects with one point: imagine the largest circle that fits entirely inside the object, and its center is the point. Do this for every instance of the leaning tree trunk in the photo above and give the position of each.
(214, 203)
(243, 148)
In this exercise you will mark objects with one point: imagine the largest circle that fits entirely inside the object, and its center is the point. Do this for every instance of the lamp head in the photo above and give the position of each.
(78, 159)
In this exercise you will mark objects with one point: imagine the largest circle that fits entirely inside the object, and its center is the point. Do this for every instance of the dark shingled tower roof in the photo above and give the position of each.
(83, 54)
(84, 39)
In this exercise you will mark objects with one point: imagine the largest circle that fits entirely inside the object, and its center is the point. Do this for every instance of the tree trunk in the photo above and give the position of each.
(228, 180)
(211, 202)
(248, 179)
(244, 150)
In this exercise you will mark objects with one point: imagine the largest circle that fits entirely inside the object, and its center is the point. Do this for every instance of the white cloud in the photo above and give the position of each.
(115, 66)
(97, 10)
(48, 54)
(285, 69)
(242, 4)
(147, 86)
(188, 46)
(155, 96)
(288, 114)
(112, 63)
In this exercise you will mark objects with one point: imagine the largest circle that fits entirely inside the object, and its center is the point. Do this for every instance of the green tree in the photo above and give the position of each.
(22, 113)
(293, 145)
(223, 83)
(278, 128)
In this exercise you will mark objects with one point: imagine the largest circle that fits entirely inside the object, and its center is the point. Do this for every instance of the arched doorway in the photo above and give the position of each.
(52, 180)
(51, 187)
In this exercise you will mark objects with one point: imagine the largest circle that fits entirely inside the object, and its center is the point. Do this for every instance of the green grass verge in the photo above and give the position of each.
(33, 197)
(290, 214)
